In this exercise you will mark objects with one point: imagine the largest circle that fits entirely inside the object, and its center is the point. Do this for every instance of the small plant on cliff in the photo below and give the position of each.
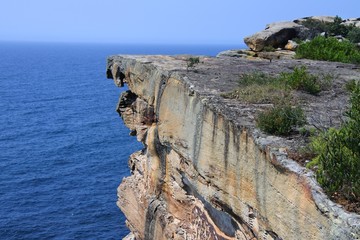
(191, 62)
(269, 49)
(354, 35)
(258, 87)
(338, 153)
(337, 28)
(329, 49)
(300, 79)
(315, 27)
(281, 119)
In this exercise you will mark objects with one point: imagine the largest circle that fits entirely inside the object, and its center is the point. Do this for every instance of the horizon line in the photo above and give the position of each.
(123, 43)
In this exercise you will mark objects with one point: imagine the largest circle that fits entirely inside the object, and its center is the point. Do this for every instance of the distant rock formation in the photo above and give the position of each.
(275, 35)
(278, 35)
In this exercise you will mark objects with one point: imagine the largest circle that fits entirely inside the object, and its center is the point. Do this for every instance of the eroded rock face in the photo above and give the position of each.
(205, 171)
(275, 35)
(326, 19)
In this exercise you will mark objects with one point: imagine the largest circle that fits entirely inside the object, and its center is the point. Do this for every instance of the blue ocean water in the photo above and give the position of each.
(63, 148)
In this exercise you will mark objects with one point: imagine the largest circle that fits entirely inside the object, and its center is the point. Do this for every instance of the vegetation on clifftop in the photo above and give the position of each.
(192, 62)
(338, 153)
(281, 119)
(335, 28)
(329, 49)
(258, 87)
(337, 44)
(335, 152)
(261, 88)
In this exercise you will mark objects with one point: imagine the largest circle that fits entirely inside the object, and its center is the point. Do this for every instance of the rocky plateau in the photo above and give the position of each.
(206, 171)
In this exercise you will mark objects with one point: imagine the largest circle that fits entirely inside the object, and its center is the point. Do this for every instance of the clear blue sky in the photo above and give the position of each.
(154, 21)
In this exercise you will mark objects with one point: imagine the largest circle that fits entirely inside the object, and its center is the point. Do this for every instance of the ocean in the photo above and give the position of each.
(63, 148)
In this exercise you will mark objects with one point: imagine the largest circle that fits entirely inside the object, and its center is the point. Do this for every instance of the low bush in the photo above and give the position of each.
(281, 119)
(258, 78)
(337, 28)
(354, 35)
(315, 27)
(330, 28)
(329, 49)
(192, 62)
(269, 49)
(338, 153)
(258, 87)
(350, 86)
(300, 79)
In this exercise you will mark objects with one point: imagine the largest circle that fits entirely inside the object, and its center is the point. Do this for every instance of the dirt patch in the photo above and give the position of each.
(351, 205)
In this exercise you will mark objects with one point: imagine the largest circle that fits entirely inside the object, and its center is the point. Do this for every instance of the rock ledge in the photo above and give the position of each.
(205, 171)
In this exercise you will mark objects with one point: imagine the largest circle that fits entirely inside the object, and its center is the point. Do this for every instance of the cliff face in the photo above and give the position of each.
(205, 171)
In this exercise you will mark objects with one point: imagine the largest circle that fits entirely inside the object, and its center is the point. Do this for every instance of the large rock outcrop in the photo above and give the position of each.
(205, 171)
(277, 35)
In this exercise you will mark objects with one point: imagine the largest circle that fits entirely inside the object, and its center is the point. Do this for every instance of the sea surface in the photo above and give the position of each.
(63, 148)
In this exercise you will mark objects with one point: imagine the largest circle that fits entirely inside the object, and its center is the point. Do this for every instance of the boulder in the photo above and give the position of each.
(291, 45)
(339, 38)
(326, 19)
(352, 21)
(278, 34)
(275, 35)
(237, 53)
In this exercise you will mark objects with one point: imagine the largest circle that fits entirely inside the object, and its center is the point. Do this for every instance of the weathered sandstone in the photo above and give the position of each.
(326, 19)
(205, 171)
(277, 35)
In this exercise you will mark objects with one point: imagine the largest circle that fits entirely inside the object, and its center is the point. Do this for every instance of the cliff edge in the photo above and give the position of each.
(206, 171)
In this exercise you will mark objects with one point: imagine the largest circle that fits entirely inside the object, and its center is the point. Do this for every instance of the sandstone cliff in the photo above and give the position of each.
(205, 171)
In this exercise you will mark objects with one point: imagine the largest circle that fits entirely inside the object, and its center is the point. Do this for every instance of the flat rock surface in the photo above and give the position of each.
(213, 77)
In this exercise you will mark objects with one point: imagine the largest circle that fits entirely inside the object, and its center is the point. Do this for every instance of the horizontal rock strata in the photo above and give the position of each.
(205, 171)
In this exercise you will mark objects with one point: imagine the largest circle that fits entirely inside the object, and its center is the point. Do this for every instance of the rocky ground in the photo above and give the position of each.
(165, 119)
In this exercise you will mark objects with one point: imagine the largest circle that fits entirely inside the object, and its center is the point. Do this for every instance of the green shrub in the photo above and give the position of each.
(350, 86)
(300, 79)
(258, 87)
(338, 153)
(281, 119)
(269, 49)
(192, 62)
(336, 28)
(258, 78)
(316, 25)
(315, 28)
(354, 35)
(329, 49)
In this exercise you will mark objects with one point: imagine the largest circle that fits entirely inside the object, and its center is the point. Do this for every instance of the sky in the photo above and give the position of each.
(155, 21)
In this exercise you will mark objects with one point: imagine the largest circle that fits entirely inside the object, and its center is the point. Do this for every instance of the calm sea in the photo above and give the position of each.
(63, 148)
